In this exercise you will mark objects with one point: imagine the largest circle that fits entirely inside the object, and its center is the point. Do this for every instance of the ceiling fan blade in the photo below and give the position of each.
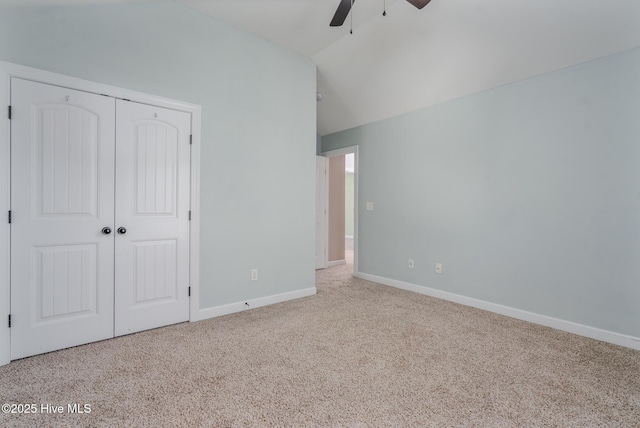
(341, 13)
(419, 3)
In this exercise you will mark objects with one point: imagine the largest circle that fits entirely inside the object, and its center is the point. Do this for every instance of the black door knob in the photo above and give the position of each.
(106, 230)
(122, 230)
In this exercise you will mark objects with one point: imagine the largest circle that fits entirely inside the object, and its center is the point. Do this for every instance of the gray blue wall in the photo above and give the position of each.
(258, 125)
(529, 194)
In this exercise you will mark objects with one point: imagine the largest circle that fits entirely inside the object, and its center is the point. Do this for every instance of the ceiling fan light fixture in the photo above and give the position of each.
(345, 6)
(419, 3)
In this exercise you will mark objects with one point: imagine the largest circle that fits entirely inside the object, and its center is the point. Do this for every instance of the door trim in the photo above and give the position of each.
(346, 151)
(325, 235)
(9, 70)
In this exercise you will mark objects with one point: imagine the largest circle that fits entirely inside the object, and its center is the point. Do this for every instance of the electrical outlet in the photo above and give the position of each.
(369, 206)
(411, 264)
(254, 274)
(439, 268)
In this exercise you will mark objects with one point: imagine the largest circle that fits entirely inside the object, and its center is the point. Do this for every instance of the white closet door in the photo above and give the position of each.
(152, 210)
(62, 178)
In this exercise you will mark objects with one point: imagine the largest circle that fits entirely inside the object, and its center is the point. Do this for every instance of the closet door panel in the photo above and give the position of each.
(152, 210)
(62, 181)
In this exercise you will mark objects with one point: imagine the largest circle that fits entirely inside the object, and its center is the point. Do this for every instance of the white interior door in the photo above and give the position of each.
(62, 179)
(152, 217)
(100, 217)
(321, 212)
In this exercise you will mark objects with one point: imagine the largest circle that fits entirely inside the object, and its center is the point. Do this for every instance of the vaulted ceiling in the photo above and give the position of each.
(411, 59)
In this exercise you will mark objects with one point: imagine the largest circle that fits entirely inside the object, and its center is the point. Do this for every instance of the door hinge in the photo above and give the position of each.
(9, 320)
(189, 215)
(191, 139)
(189, 294)
(9, 112)
(9, 216)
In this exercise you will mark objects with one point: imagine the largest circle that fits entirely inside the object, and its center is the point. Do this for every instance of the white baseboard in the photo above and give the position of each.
(559, 324)
(245, 305)
(333, 263)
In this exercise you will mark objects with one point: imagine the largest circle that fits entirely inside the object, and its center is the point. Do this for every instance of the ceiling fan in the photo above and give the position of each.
(345, 7)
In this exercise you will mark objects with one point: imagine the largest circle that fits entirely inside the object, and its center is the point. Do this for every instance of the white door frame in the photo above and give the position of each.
(8, 70)
(325, 217)
(346, 151)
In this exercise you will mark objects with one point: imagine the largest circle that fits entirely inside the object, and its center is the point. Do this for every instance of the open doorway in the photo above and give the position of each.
(349, 206)
(336, 210)
(342, 207)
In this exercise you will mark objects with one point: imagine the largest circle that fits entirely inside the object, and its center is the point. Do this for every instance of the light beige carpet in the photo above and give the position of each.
(357, 354)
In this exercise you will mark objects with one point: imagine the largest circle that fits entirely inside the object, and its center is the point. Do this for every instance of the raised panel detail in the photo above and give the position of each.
(65, 281)
(154, 264)
(155, 168)
(66, 147)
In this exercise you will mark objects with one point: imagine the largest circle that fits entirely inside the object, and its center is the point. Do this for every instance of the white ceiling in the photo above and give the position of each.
(413, 58)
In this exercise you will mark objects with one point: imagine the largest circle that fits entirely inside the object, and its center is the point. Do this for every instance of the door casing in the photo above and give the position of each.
(8, 70)
(345, 151)
(321, 217)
